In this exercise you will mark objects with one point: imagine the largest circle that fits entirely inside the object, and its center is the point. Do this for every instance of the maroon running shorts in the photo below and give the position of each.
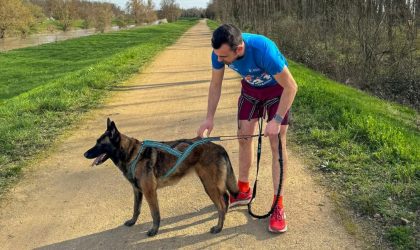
(266, 102)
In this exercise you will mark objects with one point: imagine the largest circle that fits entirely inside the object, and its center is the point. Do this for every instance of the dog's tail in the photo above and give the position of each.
(231, 184)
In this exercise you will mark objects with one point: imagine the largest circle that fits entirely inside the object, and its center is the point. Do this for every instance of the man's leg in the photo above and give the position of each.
(246, 150)
(245, 161)
(277, 223)
(274, 142)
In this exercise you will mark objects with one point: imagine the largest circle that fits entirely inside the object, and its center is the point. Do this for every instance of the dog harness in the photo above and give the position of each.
(181, 155)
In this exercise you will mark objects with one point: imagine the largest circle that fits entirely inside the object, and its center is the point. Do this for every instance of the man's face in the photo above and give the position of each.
(225, 54)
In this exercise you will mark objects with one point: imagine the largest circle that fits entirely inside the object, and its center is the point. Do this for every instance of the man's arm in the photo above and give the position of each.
(285, 79)
(215, 91)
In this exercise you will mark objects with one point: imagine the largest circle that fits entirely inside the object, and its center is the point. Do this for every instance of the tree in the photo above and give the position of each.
(141, 12)
(211, 10)
(371, 44)
(87, 13)
(103, 17)
(170, 10)
(64, 10)
(14, 16)
(193, 12)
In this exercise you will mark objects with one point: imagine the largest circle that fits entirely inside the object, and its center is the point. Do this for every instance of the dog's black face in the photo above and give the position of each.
(106, 145)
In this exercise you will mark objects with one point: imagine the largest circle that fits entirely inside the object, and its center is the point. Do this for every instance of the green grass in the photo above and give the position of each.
(368, 149)
(212, 24)
(45, 88)
(25, 69)
(78, 24)
(45, 26)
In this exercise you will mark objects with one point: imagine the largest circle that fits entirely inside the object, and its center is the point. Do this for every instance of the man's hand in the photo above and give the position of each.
(272, 128)
(206, 125)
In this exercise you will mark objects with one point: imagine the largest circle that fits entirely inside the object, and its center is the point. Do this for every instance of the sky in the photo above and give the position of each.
(185, 4)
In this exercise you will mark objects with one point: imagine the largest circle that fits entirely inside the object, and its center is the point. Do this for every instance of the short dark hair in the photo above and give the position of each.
(226, 33)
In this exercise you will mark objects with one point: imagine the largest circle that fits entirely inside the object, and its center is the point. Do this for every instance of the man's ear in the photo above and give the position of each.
(240, 48)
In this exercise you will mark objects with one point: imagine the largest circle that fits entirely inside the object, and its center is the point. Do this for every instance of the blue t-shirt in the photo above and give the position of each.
(262, 60)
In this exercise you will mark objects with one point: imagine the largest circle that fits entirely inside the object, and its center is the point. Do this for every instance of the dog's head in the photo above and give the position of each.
(106, 145)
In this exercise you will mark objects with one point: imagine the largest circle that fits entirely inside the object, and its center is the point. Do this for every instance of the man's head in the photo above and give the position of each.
(227, 43)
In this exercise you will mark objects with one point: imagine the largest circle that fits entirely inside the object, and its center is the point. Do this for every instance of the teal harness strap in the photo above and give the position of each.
(155, 144)
(133, 164)
(165, 147)
(186, 153)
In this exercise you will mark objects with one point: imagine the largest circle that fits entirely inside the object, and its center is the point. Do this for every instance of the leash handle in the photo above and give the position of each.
(231, 137)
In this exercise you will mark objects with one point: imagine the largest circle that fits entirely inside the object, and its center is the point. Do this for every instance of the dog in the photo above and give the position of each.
(209, 161)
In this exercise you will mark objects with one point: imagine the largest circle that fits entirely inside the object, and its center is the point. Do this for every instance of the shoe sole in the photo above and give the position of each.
(277, 231)
(239, 203)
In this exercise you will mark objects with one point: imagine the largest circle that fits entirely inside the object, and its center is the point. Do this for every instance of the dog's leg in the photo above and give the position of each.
(149, 191)
(219, 198)
(138, 197)
(226, 201)
(151, 197)
(219, 201)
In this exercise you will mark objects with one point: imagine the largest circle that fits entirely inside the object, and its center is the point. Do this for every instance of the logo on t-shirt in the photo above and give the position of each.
(258, 80)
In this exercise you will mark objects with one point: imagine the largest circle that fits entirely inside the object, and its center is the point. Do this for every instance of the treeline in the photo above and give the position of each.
(370, 44)
(194, 12)
(94, 14)
(25, 16)
(17, 16)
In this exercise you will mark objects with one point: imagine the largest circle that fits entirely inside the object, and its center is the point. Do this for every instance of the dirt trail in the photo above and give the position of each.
(63, 203)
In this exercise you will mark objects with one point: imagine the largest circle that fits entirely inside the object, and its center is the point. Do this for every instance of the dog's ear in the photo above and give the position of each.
(108, 123)
(113, 130)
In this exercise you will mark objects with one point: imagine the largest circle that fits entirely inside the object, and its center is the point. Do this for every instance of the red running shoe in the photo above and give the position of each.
(278, 221)
(243, 198)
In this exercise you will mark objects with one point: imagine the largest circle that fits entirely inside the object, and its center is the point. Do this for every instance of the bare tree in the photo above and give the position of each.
(14, 16)
(193, 12)
(170, 10)
(65, 11)
(103, 17)
(370, 44)
(142, 12)
(94, 13)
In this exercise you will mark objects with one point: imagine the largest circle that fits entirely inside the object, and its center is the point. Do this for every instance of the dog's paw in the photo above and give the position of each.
(152, 232)
(129, 223)
(215, 230)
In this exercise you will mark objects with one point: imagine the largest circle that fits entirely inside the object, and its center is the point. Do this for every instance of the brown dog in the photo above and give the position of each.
(209, 161)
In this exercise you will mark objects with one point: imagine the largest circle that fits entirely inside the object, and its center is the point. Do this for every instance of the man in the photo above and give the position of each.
(266, 78)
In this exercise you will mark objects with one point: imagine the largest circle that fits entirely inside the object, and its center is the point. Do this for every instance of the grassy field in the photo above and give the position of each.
(367, 149)
(22, 70)
(44, 89)
(212, 24)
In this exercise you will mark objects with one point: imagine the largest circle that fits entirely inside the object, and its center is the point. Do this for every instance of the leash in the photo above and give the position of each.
(255, 102)
(254, 192)
(232, 137)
